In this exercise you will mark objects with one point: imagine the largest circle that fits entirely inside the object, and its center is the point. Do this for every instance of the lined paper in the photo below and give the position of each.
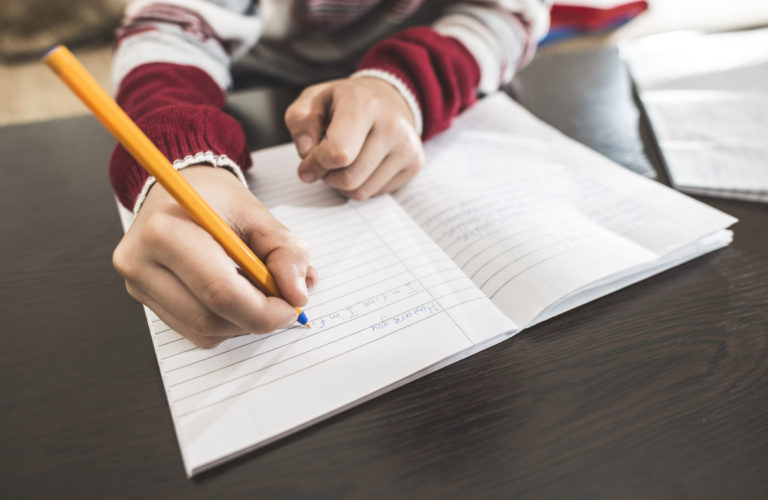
(508, 223)
(707, 100)
(390, 306)
(515, 229)
(714, 143)
(532, 224)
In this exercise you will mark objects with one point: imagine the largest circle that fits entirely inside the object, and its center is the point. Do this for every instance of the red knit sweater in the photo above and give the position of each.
(180, 106)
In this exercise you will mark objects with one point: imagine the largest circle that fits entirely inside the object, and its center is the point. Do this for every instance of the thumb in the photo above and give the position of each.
(285, 254)
(306, 117)
(289, 266)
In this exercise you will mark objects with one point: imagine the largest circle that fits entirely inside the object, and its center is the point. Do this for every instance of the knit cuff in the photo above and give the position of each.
(438, 71)
(201, 158)
(186, 134)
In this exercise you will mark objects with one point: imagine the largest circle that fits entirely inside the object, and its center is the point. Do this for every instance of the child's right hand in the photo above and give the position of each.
(177, 269)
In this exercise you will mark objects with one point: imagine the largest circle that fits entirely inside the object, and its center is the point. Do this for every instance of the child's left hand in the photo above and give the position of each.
(357, 135)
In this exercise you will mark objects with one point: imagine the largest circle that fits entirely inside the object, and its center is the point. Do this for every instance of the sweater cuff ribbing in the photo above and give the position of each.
(201, 158)
(187, 135)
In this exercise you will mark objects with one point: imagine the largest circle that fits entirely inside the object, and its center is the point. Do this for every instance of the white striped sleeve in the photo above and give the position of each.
(500, 34)
(206, 34)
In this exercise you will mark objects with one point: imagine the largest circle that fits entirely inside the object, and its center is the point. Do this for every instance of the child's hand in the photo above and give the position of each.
(177, 269)
(356, 134)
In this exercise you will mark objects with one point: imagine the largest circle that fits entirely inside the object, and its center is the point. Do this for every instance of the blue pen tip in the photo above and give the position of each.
(302, 318)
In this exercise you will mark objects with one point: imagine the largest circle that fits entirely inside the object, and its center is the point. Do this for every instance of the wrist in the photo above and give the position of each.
(394, 83)
(203, 160)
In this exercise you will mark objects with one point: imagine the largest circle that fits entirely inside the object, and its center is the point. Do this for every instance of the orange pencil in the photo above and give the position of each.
(109, 113)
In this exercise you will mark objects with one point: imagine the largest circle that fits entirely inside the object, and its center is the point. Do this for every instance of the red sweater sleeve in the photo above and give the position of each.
(440, 72)
(180, 108)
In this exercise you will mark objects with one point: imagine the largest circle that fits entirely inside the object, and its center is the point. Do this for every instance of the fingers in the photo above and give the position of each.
(176, 268)
(312, 276)
(306, 117)
(399, 180)
(206, 271)
(285, 254)
(372, 155)
(351, 121)
(185, 313)
(393, 173)
(370, 143)
(410, 161)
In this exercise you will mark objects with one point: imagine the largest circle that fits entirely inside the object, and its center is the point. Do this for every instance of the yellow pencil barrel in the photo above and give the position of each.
(109, 113)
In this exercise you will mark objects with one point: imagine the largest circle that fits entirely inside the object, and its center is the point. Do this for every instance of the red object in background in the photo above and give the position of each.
(593, 18)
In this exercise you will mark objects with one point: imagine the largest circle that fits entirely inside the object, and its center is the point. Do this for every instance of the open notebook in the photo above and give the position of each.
(508, 224)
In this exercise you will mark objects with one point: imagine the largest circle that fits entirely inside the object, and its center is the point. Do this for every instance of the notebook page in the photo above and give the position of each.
(734, 60)
(713, 142)
(532, 217)
(706, 99)
(389, 307)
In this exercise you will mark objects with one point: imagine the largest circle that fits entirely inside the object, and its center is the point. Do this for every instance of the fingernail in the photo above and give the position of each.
(301, 284)
(308, 177)
(303, 145)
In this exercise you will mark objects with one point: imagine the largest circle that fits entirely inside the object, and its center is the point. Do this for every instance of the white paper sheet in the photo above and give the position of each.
(714, 143)
(689, 60)
(390, 306)
(707, 100)
(533, 221)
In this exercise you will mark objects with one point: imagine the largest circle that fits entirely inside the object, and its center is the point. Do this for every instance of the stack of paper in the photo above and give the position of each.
(707, 100)
(508, 224)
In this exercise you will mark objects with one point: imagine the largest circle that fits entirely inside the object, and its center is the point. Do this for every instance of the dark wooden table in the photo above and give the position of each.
(657, 391)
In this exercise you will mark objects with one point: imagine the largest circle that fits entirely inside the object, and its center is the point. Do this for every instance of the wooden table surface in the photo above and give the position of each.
(656, 391)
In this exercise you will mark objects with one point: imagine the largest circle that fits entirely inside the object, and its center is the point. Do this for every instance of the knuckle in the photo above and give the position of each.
(156, 233)
(295, 114)
(296, 248)
(342, 90)
(389, 125)
(133, 291)
(294, 243)
(346, 180)
(270, 235)
(311, 91)
(206, 342)
(122, 261)
(371, 103)
(219, 293)
(339, 156)
(202, 324)
(300, 246)
(262, 327)
(416, 156)
(360, 194)
(279, 234)
(414, 150)
(419, 163)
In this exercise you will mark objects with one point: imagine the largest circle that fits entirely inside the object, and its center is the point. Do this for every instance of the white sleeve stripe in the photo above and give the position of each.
(480, 43)
(162, 46)
(203, 157)
(500, 35)
(402, 88)
(534, 12)
(226, 22)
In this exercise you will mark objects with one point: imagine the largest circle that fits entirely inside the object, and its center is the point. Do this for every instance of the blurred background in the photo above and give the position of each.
(29, 92)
